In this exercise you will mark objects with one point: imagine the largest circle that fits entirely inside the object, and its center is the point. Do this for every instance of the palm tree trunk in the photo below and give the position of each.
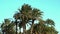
(32, 26)
(24, 29)
(51, 29)
(16, 26)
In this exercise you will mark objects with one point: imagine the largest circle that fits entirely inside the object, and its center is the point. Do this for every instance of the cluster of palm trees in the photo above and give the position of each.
(28, 15)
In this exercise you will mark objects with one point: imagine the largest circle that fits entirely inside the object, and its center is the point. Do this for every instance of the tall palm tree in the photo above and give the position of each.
(16, 16)
(25, 11)
(23, 16)
(36, 13)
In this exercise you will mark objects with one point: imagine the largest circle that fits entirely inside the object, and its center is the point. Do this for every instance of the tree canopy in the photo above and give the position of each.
(28, 15)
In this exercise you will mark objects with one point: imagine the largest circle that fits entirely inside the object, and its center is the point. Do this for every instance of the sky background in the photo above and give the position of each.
(51, 9)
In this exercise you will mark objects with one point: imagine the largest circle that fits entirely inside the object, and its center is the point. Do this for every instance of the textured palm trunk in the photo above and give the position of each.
(24, 29)
(32, 27)
(16, 26)
(51, 29)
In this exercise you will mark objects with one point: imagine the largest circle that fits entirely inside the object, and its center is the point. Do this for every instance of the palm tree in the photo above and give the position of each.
(36, 13)
(50, 22)
(7, 22)
(16, 17)
(10, 28)
(23, 16)
(4, 26)
(25, 11)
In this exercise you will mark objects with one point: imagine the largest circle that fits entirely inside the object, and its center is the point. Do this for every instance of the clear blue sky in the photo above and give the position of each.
(51, 9)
